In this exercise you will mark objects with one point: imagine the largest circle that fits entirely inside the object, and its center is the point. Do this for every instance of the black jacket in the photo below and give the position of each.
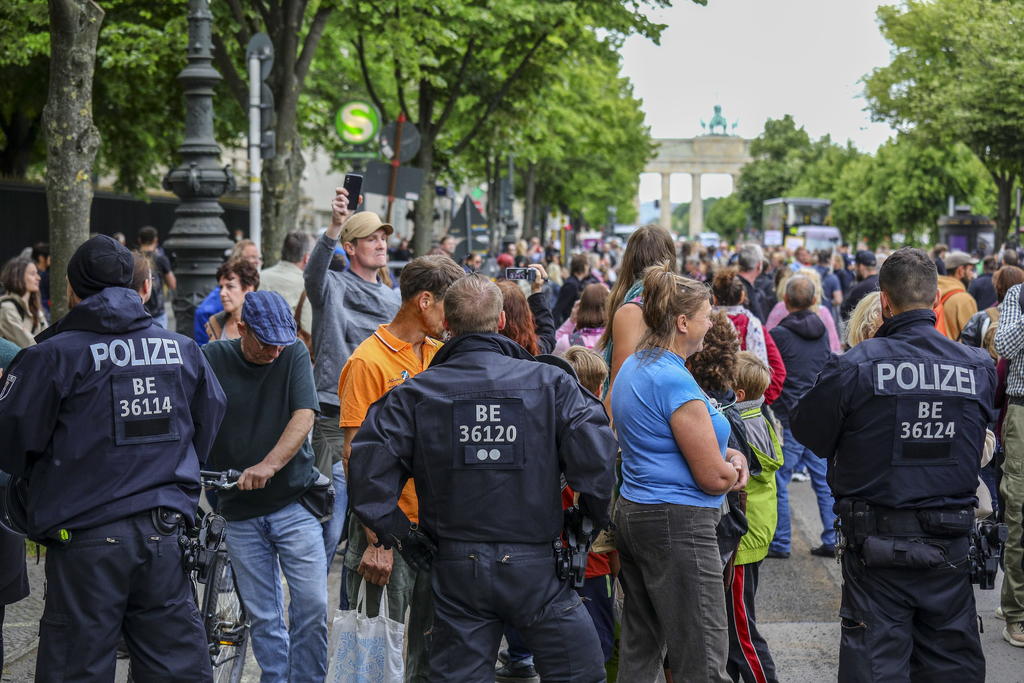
(571, 290)
(755, 300)
(901, 417)
(983, 291)
(485, 431)
(108, 415)
(857, 292)
(803, 345)
(543, 324)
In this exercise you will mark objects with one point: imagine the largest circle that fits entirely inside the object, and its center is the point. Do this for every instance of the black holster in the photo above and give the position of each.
(902, 553)
(319, 499)
(167, 522)
(907, 539)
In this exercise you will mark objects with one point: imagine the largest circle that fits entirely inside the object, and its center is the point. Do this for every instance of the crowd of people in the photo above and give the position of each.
(700, 357)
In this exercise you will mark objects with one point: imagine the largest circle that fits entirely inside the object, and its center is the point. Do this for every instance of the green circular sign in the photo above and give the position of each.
(357, 122)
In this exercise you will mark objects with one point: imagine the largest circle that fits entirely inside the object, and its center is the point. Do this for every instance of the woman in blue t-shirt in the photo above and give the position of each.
(676, 469)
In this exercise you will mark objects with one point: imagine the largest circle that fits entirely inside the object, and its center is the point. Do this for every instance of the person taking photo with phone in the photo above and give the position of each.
(348, 307)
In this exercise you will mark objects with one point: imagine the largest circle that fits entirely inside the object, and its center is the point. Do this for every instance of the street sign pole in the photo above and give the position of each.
(259, 55)
(395, 161)
(255, 160)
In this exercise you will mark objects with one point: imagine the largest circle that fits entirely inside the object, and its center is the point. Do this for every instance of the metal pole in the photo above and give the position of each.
(199, 237)
(395, 161)
(255, 160)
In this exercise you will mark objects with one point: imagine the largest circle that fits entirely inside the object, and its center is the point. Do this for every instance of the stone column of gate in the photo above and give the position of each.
(666, 201)
(696, 207)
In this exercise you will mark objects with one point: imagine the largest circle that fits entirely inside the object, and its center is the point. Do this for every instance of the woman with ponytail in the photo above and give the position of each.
(676, 468)
(651, 245)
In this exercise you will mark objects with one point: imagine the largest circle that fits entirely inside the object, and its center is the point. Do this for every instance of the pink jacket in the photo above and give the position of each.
(779, 312)
(589, 336)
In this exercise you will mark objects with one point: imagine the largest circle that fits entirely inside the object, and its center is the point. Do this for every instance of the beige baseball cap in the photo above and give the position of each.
(363, 224)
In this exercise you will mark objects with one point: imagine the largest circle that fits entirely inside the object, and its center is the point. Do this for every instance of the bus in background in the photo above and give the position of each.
(807, 218)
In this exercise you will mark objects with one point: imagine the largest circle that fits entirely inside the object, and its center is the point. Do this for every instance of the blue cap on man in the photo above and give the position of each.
(270, 317)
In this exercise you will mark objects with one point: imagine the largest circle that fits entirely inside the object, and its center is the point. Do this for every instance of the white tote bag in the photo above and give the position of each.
(366, 649)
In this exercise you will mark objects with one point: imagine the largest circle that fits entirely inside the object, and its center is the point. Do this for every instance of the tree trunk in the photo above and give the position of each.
(1004, 186)
(423, 233)
(282, 188)
(529, 201)
(494, 203)
(71, 137)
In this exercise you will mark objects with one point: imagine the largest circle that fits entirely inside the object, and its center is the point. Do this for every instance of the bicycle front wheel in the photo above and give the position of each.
(226, 621)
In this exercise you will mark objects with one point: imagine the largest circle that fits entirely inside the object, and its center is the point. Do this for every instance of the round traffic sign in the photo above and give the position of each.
(410, 141)
(357, 122)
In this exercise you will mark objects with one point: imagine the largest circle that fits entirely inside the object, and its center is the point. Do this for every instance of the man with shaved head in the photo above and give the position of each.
(486, 432)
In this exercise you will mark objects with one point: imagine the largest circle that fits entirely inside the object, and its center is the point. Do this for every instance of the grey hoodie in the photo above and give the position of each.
(346, 310)
(757, 427)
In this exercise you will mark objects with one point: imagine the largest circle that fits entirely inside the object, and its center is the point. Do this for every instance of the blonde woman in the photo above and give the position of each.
(864, 321)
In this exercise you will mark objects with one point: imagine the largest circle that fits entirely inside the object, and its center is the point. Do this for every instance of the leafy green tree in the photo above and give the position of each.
(295, 28)
(138, 106)
(955, 77)
(903, 188)
(451, 65)
(137, 103)
(586, 138)
(727, 216)
(779, 153)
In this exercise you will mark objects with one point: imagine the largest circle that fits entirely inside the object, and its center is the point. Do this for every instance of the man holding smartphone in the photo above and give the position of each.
(347, 308)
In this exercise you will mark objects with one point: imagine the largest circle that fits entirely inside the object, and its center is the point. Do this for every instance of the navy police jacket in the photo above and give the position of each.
(107, 416)
(485, 432)
(901, 417)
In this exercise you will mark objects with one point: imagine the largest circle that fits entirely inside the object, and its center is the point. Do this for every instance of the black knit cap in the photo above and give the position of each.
(99, 263)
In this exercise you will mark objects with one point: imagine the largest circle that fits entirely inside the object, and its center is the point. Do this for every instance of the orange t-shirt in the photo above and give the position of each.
(379, 364)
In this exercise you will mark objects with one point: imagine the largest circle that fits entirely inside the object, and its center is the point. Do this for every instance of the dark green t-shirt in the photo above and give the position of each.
(261, 400)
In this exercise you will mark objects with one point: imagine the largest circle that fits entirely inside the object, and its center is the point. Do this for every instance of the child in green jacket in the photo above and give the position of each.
(749, 657)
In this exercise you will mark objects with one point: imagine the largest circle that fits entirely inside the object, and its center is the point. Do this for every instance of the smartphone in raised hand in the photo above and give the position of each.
(354, 185)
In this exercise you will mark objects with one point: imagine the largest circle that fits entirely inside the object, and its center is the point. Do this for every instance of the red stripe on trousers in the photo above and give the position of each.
(739, 610)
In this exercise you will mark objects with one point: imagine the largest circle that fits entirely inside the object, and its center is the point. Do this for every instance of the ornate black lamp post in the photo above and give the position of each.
(199, 237)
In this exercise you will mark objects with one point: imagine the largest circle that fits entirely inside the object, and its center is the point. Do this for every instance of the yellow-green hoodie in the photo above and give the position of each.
(762, 507)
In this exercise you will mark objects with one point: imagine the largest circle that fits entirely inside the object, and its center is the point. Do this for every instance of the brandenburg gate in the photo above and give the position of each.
(709, 153)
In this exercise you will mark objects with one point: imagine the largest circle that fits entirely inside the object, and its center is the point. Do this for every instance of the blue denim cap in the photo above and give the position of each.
(270, 317)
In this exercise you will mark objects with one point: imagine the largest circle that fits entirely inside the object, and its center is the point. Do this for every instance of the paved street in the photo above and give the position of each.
(798, 601)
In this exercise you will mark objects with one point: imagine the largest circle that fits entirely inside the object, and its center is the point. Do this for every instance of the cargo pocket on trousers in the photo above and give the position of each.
(54, 642)
(854, 654)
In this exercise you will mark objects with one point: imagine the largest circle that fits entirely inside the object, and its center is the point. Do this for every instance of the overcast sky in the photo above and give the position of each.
(759, 59)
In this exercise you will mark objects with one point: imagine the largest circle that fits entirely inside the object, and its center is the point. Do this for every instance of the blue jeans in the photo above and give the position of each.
(292, 537)
(797, 455)
(334, 527)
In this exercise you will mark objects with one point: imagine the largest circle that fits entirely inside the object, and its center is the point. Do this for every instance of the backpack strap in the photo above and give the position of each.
(19, 305)
(216, 325)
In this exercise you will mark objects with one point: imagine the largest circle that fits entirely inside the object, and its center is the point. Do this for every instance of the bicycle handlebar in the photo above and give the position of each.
(219, 480)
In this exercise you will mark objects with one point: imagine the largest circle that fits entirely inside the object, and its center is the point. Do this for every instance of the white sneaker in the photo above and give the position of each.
(1014, 634)
(801, 476)
(1000, 614)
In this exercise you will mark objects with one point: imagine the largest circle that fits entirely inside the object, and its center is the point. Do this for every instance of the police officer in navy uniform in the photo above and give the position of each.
(108, 418)
(485, 432)
(901, 419)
